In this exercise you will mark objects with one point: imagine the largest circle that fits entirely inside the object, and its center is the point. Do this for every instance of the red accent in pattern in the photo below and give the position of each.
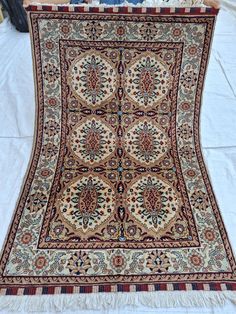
(137, 10)
(181, 10)
(69, 289)
(200, 286)
(165, 10)
(88, 289)
(144, 287)
(94, 10)
(163, 286)
(32, 8)
(14, 290)
(126, 288)
(47, 8)
(182, 286)
(124, 10)
(32, 291)
(107, 288)
(51, 290)
(217, 286)
(233, 286)
(110, 10)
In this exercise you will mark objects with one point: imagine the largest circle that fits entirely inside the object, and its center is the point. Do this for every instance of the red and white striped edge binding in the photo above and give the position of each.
(124, 10)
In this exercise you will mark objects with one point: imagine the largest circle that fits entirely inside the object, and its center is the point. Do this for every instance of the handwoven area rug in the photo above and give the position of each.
(117, 196)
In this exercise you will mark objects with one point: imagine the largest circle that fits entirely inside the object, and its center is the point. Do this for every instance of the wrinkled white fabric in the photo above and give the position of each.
(218, 129)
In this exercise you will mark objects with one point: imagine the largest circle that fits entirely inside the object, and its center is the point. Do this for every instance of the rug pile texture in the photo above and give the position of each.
(117, 197)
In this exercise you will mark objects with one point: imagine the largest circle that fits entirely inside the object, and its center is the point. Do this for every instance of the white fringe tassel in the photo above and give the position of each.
(100, 301)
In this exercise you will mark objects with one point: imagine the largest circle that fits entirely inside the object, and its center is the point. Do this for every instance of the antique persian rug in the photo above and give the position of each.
(117, 197)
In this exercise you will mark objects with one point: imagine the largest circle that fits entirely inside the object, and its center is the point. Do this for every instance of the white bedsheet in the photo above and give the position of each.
(218, 130)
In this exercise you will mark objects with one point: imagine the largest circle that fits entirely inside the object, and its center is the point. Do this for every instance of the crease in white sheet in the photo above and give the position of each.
(14, 157)
(225, 74)
(218, 131)
(16, 83)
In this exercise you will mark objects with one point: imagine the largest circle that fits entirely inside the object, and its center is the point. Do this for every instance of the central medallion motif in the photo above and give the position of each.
(92, 141)
(87, 203)
(147, 80)
(153, 202)
(93, 78)
(146, 142)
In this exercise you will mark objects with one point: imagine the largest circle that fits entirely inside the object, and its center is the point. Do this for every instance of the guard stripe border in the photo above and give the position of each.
(45, 290)
(125, 10)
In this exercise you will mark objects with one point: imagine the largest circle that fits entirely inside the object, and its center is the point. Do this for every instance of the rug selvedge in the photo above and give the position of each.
(117, 194)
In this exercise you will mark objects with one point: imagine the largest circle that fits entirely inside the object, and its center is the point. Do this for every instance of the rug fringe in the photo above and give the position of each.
(99, 301)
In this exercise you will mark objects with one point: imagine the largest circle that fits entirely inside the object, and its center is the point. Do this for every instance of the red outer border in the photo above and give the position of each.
(125, 10)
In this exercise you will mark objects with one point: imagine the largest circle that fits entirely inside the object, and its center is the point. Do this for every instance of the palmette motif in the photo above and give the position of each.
(117, 189)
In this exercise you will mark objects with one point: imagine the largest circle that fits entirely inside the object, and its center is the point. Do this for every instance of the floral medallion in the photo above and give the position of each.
(146, 142)
(148, 80)
(152, 202)
(86, 203)
(92, 141)
(93, 78)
